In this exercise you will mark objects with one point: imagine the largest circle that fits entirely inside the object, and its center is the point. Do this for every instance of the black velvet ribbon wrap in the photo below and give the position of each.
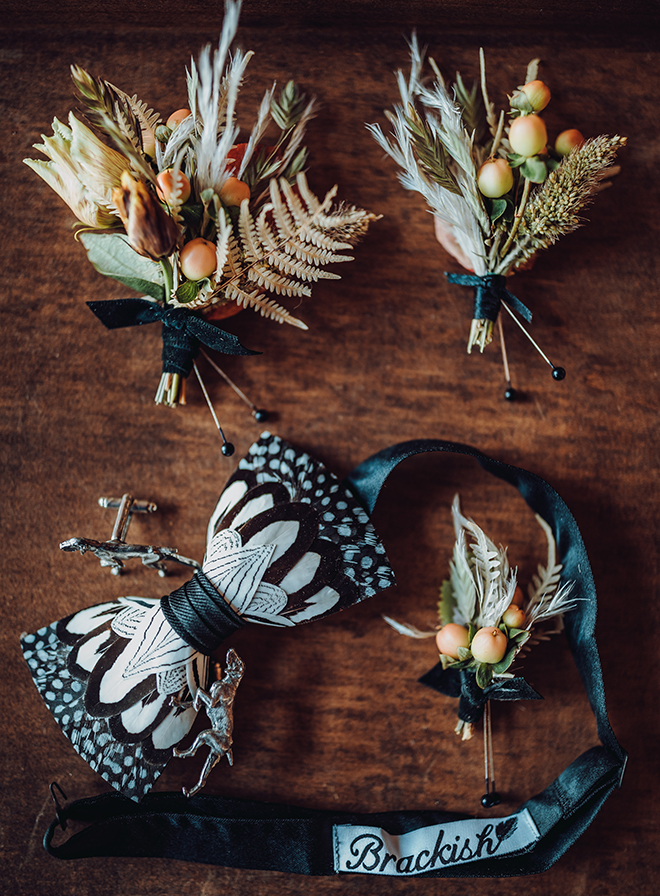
(255, 835)
(472, 699)
(183, 331)
(489, 293)
(199, 615)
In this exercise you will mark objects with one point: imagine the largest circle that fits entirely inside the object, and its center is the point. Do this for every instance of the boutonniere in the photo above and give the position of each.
(499, 189)
(485, 622)
(200, 223)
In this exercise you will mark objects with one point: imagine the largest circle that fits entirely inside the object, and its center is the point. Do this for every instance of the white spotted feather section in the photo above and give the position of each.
(342, 519)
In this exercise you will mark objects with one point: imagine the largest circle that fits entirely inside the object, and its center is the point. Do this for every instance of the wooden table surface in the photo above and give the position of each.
(330, 714)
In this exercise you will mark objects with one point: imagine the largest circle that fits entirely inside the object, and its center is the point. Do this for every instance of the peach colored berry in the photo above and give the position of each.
(514, 617)
(450, 637)
(167, 187)
(177, 117)
(528, 135)
(495, 178)
(198, 259)
(568, 140)
(234, 191)
(489, 645)
(538, 94)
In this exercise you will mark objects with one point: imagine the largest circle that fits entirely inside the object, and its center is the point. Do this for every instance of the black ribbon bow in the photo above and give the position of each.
(183, 331)
(462, 683)
(489, 293)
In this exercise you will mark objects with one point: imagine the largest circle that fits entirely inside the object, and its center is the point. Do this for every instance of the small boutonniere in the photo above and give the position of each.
(498, 189)
(484, 622)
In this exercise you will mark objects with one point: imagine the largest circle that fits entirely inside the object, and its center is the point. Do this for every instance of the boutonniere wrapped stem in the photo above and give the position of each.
(499, 189)
(485, 622)
(184, 212)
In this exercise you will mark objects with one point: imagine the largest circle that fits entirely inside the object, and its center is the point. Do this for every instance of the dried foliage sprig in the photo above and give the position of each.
(203, 224)
(499, 192)
(484, 620)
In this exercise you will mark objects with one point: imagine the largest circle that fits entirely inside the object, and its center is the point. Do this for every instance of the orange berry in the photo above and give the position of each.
(234, 191)
(495, 178)
(167, 187)
(489, 645)
(514, 617)
(568, 140)
(518, 598)
(537, 93)
(451, 637)
(177, 117)
(198, 259)
(527, 135)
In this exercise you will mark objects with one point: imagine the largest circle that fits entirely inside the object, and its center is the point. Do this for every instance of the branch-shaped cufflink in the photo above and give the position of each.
(115, 551)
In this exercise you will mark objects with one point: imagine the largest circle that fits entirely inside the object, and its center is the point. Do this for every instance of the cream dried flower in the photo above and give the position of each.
(82, 170)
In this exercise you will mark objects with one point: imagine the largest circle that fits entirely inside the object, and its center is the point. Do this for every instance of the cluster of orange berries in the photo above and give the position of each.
(198, 257)
(528, 137)
(489, 644)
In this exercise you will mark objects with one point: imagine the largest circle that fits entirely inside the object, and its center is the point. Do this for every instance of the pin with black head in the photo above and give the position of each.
(510, 393)
(259, 414)
(227, 448)
(491, 797)
(558, 373)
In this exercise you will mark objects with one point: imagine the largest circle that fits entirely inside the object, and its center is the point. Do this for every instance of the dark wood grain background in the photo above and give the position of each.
(330, 715)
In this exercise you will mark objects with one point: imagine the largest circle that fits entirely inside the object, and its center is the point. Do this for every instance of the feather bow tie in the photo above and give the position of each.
(287, 543)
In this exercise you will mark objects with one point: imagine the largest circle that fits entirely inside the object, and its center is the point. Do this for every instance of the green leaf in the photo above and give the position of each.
(288, 112)
(192, 214)
(464, 653)
(472, 631)
(297, 164)
(484, 675)
(462, 664)
(521, 638)
(447, 603)
(515, 160)
(497, 208)
(187, 291)
(518, 100)
(506, 661)
(112, 256)
(534, 169)
(553, 164)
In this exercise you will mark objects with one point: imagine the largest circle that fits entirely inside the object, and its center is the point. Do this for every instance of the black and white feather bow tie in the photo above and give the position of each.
(287, 544)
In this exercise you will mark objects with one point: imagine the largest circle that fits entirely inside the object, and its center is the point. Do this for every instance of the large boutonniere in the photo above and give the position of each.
(485, 622)
(199, 223)
(499, 190)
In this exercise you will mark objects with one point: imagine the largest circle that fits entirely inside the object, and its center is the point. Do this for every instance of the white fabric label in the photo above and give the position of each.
(371, 850)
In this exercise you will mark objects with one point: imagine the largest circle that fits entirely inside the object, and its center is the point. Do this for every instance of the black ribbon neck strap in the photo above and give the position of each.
(489, 293)
(199, 615)
(245, 834)
(183, 331)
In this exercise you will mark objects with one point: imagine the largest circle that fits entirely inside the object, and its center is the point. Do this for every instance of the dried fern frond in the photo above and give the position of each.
(554, 209)
(462, 583)
(146, 117)
(494, 583)
(266, 307)
(283, 250)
